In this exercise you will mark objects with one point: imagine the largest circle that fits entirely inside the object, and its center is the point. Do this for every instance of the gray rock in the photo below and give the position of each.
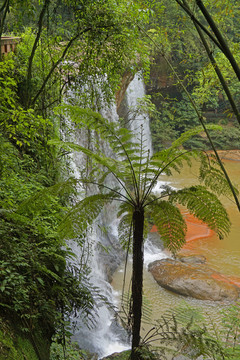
(192, 259)
(154, 238)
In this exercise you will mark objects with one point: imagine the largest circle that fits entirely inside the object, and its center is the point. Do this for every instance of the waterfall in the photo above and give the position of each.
(137, 118)
(107, 336)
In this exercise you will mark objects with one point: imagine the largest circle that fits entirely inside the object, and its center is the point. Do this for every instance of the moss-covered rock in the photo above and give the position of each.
(15, 344)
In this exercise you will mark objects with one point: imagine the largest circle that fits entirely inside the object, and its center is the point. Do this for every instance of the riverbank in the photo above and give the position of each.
(232, 155)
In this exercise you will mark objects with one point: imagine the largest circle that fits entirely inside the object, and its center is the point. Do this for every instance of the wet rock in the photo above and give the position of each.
(192, 259)
(126, 79)
(195, 280)
(111, 260)
(155, 239)
(183, 357)
(118, 356)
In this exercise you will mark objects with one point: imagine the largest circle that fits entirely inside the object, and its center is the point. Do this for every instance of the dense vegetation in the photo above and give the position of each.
(40, 286)
(175, 37)
(89, 45)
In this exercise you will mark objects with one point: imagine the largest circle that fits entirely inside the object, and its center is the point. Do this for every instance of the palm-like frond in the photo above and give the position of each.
(172, 158)
(41, 197)
(205, 206)
(125, 230)
(170, 224)
(121, 140)
(133, 154)
(190, 133)
(81, 216)
(211, 175)
(119, 169)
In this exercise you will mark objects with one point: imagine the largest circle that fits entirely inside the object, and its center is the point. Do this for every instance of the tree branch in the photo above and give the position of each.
(225, 48)
(54, 66)
(30, 60)
(216, 68)
(193, 18)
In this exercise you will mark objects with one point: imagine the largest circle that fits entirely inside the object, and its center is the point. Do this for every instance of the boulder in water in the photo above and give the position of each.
(195, 280)
(191, 259)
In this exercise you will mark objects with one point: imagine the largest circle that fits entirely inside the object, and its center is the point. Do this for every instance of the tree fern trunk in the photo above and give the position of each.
(137, 279)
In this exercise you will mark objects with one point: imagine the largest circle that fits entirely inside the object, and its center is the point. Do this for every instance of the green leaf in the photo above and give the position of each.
(205, 206)
(170, 224)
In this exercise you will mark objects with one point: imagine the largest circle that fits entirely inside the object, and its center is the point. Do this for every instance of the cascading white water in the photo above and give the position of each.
(107, 336)
(138, 119)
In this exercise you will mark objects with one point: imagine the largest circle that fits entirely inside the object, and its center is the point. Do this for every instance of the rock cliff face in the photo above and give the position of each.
(126, 79)
(193, 279)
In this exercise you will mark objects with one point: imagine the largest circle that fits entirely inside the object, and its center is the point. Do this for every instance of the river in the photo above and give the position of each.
(221, 255)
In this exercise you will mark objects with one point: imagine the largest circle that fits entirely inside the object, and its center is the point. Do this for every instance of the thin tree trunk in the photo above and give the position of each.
(34, 48)
(215, 67)
(137, 279)
(225, 48)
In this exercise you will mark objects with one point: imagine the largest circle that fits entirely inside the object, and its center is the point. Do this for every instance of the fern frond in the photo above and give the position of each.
(192, 132)
(170, 224)
(119, 169)
(132, 153)
(212, 176)
(42, 197)
(231, 331)
(81, 216)
(125, 230)
(172, 158)
(205, 206)
(117, 138)
(168, 160)
(186, 315)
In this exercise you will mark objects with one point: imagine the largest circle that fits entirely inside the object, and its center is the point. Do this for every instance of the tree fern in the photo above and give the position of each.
(136, 173)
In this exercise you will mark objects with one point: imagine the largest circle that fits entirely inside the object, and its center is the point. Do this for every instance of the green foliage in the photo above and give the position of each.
(71, 352)
(205, 206)
(186, 331)
(79, 219)
(61, 33)
(174, 38)
(170, 224)
(16, 345)
(210, 174)
(36, 282)
(22, 127)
